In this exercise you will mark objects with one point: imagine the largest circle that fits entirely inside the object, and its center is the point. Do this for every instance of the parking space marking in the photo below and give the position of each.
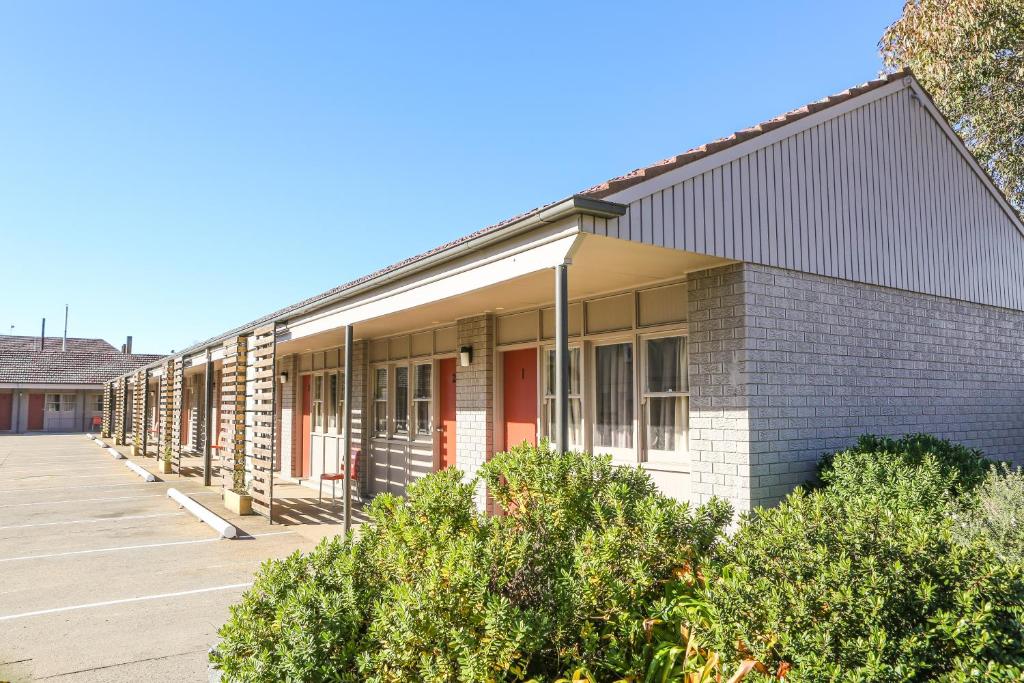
(81, 500)
(92, 520)
(122, 601)
(69, 488)
(133, 547)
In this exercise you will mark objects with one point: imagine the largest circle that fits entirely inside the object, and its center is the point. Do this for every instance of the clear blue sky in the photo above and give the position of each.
(148, 150)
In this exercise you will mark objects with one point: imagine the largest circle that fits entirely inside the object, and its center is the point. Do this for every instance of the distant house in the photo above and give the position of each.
(49, 386)
(720, 318)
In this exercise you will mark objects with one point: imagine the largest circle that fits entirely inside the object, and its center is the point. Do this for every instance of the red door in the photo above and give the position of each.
(520, 394)
(446, 389)
(307, 424)
(5, 412)
(35, 412)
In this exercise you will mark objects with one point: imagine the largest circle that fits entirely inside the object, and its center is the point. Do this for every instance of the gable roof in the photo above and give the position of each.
(639, 175)
(608, 189)
(86, 361)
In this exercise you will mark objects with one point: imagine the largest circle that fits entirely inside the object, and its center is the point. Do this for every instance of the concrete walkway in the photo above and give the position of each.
(102, 577)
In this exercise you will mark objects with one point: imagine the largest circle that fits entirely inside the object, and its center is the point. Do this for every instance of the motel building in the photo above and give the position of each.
(55, 384)
(721, 318)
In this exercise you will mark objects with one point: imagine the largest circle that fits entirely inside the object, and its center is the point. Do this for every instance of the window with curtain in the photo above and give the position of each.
(401, 400)
(318, 402)
(340, 402)
(332, 402)
(53, 403)
(380, 402)
(613, 398)
(575, 398)
(422, 398)
(665, 398)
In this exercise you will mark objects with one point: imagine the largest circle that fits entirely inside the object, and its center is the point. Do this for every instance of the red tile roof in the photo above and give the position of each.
(597, 191)
(87, 361)
(639, 175)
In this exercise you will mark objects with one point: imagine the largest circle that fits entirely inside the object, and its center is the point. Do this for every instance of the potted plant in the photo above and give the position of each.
(237, 498)
(165, 462)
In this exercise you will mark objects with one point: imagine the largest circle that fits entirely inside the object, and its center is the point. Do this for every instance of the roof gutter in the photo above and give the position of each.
(576, 205)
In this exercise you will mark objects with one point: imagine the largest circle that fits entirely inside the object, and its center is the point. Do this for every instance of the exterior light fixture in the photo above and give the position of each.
(283, 378)
(465, 356)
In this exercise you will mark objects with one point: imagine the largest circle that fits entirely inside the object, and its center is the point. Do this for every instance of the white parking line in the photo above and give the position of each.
(122, 601)
(130, 547)
(81, 500)
(91, 520)
(111, 473)
(68, 488)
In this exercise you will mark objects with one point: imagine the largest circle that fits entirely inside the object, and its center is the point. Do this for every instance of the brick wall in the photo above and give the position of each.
(474, 398)
(786, 366)
(360, 434)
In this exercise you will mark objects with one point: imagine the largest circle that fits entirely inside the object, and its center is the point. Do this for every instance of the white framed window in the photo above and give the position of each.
(380, 401)
(318, 403)
(332, 403)
(60, 403)
(422, 398)
(401, 426)
(575, 398)
(340, 402)
(614, 394)
(97, 403)
(665, 399)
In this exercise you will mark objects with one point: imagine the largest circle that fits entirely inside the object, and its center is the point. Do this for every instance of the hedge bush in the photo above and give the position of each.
(865, 579)
(995, 514)
(561, 583)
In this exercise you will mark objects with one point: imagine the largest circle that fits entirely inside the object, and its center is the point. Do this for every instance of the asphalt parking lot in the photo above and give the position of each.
(104, 578)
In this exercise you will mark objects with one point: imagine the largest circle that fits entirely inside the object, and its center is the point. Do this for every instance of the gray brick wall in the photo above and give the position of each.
(786, 366)
(474, 399)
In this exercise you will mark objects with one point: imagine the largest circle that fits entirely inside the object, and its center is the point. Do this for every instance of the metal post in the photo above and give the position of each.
(562, 356)
(207, 418)
(347, 426)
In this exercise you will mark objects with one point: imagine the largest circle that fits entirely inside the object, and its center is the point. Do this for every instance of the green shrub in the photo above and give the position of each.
(435, 591)
(868, 463)
(995, 514)
(866, 581)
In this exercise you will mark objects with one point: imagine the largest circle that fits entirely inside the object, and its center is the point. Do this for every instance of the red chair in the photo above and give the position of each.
(339, 476)
(97, 421)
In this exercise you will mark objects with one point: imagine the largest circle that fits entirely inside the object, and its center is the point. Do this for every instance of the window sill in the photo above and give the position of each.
(665, 467)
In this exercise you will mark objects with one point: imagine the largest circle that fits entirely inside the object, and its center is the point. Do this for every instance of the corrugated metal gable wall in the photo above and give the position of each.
(877, 194)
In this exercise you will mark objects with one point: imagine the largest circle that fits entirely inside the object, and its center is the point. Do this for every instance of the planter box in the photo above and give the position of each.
(165, 467)
(240, 504)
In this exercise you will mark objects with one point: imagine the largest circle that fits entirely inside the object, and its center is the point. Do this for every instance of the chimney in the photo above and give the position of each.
(64, 345)
(42, 336)
(128, 345)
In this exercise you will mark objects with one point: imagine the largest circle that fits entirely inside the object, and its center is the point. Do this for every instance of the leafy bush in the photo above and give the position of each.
(865, 579)
(870, 463)
(995, 514)
(434, 591)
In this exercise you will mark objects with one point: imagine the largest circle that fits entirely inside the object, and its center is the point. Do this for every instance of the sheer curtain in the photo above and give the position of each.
(664, 375)
(613, 424)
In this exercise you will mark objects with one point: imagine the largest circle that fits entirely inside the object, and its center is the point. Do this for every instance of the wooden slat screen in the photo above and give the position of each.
(261, 420)
(119, 414)
(166, 412)
(138, 411)
(232, 411)
(176, 405)
(108, 406)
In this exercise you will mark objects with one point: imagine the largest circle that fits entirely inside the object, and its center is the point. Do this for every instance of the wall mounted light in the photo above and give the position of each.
(465, 356)
(283, 378)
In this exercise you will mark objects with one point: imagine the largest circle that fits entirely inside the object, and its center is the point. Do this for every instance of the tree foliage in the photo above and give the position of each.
(969, 55)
